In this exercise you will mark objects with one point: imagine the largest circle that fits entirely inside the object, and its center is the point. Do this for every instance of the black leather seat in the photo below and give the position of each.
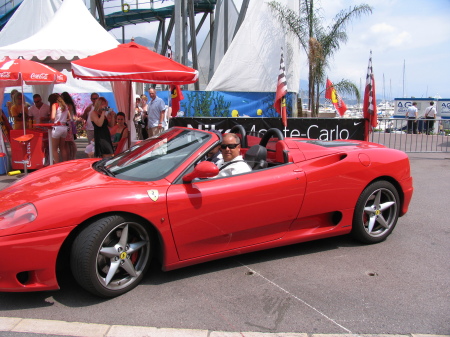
(256, 157)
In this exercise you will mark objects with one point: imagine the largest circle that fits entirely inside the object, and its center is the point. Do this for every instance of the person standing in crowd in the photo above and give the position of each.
(138, 118)
(59, 116)
(71, 127)
(411, 115)
(18, 108)
(102, 136)
(111, 118)
(430, 115)
(10, 103)
(144, 108)
(120, 130)
(144, 102)
(39, 110)
(155, 114)
(87, 117)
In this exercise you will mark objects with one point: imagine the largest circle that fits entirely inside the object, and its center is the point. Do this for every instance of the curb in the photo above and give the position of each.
(54, 327)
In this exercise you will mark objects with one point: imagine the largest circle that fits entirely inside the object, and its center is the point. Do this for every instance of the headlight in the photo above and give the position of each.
(17, 216)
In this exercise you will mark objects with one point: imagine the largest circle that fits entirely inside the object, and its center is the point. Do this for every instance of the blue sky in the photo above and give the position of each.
(414, 32)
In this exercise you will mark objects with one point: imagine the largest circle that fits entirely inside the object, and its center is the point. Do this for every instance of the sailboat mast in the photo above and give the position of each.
(390, 89)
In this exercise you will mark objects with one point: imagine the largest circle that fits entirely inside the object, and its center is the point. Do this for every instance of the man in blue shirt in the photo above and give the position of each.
(156, 110)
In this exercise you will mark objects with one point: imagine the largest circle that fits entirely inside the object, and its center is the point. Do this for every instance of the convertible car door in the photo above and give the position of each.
(215, 215)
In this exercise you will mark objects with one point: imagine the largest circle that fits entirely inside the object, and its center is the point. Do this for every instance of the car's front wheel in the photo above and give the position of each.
(376, 212)
(110, 256)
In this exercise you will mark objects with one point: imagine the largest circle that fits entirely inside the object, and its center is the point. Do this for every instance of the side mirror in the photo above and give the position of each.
(204, 169)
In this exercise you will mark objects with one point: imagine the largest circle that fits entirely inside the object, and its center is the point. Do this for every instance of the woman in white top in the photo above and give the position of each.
(58, 116)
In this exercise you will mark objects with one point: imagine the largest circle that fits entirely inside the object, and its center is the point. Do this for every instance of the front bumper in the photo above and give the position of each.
(28, 261)
(407, 187)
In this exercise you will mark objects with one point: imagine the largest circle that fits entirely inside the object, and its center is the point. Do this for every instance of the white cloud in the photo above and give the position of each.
(382, 28)
(384, 36)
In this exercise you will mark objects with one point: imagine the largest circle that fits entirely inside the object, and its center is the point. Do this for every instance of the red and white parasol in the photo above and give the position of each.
(16, 72)
(133, 62)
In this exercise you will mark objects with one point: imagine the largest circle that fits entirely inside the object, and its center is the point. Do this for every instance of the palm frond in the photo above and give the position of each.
(291, 21)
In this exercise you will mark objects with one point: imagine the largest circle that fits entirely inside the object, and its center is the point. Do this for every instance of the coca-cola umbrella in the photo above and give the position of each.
(133, 62)
(16, 72)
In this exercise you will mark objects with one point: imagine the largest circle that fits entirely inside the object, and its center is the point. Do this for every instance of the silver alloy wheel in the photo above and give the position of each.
(376, 212)
(111, 255)
(122, 256)
(380, 212)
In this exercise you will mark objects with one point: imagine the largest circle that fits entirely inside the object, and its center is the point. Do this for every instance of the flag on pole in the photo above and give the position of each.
(370, 102)
(332, 95)
(176, 96)
(280, 96)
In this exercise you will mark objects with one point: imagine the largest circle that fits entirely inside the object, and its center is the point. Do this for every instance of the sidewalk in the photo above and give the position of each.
(61, 328)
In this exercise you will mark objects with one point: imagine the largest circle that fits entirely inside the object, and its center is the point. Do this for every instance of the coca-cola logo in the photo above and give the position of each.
(42, 76)
(5, 74)
(60, 77)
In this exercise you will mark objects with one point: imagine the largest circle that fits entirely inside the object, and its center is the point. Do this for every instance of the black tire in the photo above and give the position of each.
(376, 212)
(111, 255)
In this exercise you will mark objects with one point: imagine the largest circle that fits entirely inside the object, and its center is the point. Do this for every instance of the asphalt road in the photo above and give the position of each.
(331, 286)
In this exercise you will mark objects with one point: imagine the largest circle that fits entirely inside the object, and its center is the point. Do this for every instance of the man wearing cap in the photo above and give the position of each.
(155, 112)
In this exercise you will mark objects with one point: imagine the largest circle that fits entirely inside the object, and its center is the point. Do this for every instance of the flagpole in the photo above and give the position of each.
(281, 92)
(23, 109)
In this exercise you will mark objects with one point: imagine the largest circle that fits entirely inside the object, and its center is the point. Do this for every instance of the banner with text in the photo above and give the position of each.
(442, 105)
(321, 129)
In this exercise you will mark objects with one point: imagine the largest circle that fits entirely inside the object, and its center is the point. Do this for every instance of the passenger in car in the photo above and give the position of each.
(215, 155)
(233, 163)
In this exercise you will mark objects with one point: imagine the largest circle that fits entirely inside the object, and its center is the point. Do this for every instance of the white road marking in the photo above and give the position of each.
(297, 298)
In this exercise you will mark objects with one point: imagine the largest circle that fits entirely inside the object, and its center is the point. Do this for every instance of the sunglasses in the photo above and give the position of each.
(230, 146)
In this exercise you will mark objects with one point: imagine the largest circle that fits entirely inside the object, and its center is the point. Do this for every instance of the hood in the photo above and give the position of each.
(51, 180)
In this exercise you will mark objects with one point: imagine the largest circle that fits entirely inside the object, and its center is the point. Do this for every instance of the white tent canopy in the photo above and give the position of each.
(252, 62)
(34, 16)
(72, 33)
(56, 32)
(205, 51)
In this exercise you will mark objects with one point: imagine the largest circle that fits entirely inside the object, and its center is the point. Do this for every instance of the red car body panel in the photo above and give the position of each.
(311, 197)
(206, 220)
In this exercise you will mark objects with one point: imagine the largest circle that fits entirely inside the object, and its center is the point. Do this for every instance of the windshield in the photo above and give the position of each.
(154, 159)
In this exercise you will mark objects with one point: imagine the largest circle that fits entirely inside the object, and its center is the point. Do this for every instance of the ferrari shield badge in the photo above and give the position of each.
(153, 194)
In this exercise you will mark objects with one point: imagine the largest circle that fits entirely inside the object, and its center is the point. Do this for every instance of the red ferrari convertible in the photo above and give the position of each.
(160, 200)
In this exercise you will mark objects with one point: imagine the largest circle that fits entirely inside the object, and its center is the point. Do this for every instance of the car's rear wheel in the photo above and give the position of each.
(376, 212)
(110, 256)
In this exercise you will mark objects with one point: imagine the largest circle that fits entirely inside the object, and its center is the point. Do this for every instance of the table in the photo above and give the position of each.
(49, 130)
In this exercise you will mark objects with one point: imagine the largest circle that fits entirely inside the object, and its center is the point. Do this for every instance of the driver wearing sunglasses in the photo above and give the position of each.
(232, 163)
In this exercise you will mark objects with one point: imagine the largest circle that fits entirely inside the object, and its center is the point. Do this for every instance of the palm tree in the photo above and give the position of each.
(320, 43)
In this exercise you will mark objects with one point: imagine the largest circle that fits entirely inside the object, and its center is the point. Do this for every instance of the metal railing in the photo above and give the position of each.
(416, 136)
